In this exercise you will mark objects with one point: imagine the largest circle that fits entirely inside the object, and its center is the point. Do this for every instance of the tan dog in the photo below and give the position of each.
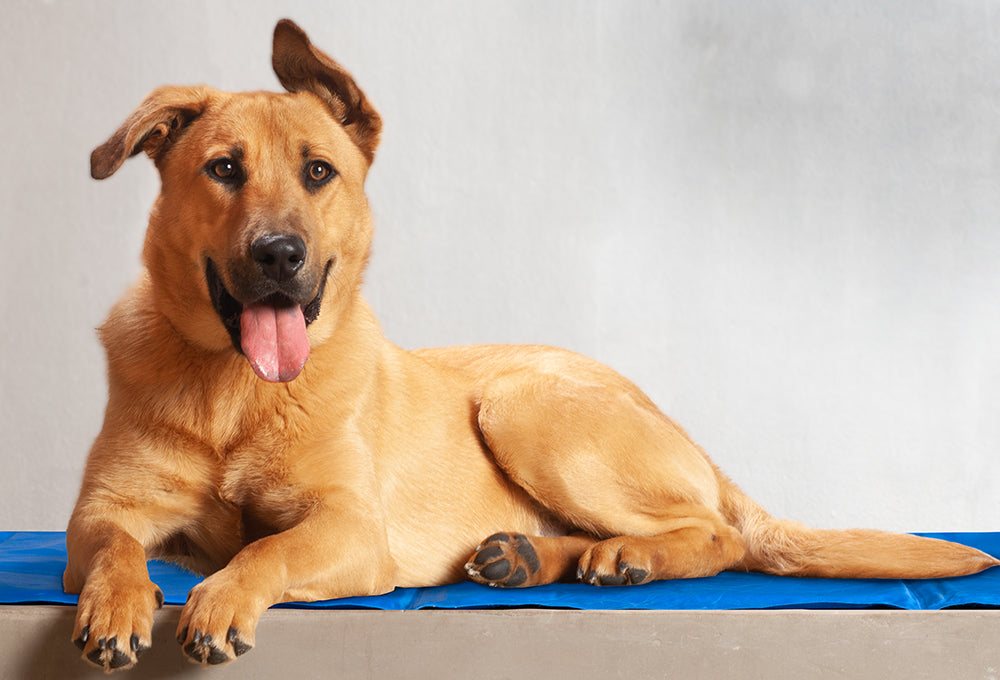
(262, 431)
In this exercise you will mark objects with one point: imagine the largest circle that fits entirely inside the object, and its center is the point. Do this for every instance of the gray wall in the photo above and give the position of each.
(778, 217)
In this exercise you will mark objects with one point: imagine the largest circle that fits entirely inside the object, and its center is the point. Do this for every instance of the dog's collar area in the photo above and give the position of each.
(230, 310)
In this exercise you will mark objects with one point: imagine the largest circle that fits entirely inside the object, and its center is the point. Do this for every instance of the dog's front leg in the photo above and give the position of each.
(336, 551)
(107, 566)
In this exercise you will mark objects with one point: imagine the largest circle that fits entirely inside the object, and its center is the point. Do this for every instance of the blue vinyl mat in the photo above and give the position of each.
(31, 566)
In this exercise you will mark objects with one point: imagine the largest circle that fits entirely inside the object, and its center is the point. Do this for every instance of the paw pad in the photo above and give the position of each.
(107, 655)
(504, 560)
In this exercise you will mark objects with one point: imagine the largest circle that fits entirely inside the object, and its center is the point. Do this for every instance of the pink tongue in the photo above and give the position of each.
(274, 340)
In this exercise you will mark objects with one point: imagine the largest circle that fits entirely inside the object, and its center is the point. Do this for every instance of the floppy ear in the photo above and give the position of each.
(153, 127)
(301, 66)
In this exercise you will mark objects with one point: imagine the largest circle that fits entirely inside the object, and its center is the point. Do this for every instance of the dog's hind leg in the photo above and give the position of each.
(695, 547)
(595, 452)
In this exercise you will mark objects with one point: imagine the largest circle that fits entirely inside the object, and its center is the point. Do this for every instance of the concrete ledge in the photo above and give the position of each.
(551, 644)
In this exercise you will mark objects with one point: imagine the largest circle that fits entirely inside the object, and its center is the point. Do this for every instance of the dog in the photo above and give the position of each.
(261, 431)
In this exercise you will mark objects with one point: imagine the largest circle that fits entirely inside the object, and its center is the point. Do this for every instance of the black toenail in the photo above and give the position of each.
(81, 641)
(137, 646)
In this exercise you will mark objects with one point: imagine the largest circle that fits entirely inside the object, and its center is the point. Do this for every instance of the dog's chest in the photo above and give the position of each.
(263, 499)
(262, 467)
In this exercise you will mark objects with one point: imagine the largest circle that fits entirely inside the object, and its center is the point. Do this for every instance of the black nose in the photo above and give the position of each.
(280, 256)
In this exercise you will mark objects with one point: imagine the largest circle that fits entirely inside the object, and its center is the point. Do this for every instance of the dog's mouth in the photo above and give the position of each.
(271, 331)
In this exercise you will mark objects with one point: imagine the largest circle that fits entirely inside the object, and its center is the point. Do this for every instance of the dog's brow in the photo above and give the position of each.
(236, 151)
(313, 150)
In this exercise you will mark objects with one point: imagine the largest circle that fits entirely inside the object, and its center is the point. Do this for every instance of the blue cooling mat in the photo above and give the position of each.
(31, 565)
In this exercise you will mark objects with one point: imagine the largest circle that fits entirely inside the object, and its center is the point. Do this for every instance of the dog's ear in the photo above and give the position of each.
(301, 66)
(152, 127)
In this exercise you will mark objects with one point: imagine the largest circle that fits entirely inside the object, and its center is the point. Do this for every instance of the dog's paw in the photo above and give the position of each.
(506, 561)
(114, 624)
(615, 562)
(202, 648)
(217, 624)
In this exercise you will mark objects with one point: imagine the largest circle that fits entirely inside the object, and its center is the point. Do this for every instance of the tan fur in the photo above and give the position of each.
(375, 467)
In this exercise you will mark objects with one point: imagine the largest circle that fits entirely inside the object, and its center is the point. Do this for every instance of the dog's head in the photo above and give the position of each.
(261, 231)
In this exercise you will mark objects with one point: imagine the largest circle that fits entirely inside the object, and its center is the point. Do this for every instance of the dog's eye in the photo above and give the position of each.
(318, 173)
(224, 170)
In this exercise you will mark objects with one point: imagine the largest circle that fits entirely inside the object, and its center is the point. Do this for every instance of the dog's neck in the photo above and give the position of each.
(213, 394)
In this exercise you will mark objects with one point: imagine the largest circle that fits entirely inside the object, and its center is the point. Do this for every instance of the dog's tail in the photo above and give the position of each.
(787, 548)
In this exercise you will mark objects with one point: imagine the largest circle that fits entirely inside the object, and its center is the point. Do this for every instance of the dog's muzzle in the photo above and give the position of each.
(279, 256)
(278, 302)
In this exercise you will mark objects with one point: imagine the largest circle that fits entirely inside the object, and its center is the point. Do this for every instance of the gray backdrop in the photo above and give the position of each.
(778, 217)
